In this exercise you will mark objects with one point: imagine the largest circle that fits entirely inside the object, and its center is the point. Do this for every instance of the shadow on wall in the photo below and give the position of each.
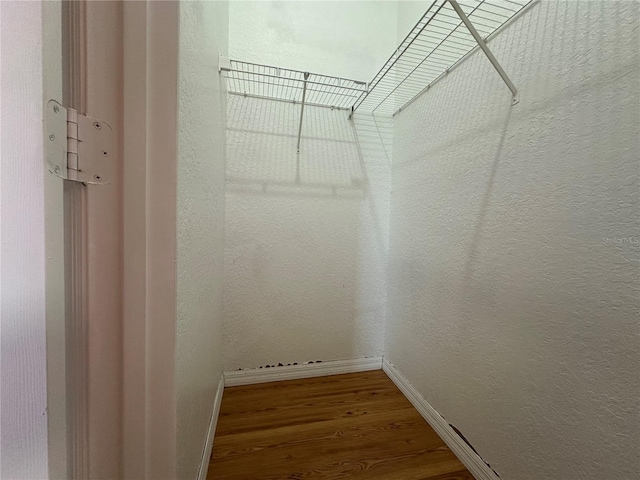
(468, 117)
(306, 235)
(512, 269)
(261, 141)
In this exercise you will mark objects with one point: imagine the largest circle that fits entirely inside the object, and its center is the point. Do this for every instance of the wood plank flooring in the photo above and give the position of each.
(355, 425)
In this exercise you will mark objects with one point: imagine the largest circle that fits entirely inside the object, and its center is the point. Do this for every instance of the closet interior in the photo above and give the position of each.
(308, 259)
(409, 185)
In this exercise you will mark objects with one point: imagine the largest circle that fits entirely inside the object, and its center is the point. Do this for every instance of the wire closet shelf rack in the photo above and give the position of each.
(275, 83)
(447, 32)
(283, 84)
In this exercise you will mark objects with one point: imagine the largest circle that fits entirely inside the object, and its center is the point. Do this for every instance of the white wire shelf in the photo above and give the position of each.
(438, 42)
(276, 83)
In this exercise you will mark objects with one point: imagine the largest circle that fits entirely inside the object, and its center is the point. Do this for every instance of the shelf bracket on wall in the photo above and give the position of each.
(304, 96)
(483, 45)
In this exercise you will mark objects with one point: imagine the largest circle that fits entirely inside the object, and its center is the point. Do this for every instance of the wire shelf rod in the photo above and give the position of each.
(265, 81)
(310, 82)
(297, 72)
(352, 96)
(294, 102)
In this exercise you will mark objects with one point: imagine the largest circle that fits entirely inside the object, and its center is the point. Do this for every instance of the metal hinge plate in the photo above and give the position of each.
(77, 147)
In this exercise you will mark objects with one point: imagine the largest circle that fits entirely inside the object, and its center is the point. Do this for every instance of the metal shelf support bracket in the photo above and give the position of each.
(482, 44)
(304, 95)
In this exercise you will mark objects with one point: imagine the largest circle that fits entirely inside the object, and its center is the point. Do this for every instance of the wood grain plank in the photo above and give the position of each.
(353, 425)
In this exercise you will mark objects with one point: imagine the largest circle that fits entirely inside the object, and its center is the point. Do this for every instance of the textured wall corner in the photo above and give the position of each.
(23, 304)
(306, 235)
(200, 229)
(513, 294)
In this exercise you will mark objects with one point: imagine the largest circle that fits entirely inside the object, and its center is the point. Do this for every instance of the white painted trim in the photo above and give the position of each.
(149, 36)
(206, 454)
(102, 248)
(293, 372)
(57, 271)
(74, 34)
(478, 468)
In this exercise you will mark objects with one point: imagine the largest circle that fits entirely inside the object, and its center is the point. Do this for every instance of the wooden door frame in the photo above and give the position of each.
(149, 141)
(90, 43)
(121, 65)
(75, 240)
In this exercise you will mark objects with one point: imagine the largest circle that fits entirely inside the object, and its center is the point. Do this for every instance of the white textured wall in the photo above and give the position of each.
(306, 243)
(305, 246)
(22, 270)
(200, 234)
(54, 251)
(349, 39)
(409, 12)
(513, 300)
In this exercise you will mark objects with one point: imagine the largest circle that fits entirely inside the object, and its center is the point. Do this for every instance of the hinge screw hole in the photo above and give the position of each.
(97, 125)
(52, 137)
(97, 177)
(104, 153)
(56, 169)
(56, 109)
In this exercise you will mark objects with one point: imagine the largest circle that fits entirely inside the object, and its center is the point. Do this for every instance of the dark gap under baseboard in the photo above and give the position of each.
(471, 447)
(280, 364)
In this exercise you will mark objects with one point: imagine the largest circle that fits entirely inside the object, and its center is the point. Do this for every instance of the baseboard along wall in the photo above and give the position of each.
(206, 454)
(461, 449)
(294, 372)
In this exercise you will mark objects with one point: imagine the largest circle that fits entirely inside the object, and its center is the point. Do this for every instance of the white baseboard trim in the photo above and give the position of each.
(294, 372)
(478, 468)
(206, 454)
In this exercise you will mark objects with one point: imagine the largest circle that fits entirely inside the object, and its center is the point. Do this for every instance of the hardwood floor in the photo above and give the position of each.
(355, 425)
